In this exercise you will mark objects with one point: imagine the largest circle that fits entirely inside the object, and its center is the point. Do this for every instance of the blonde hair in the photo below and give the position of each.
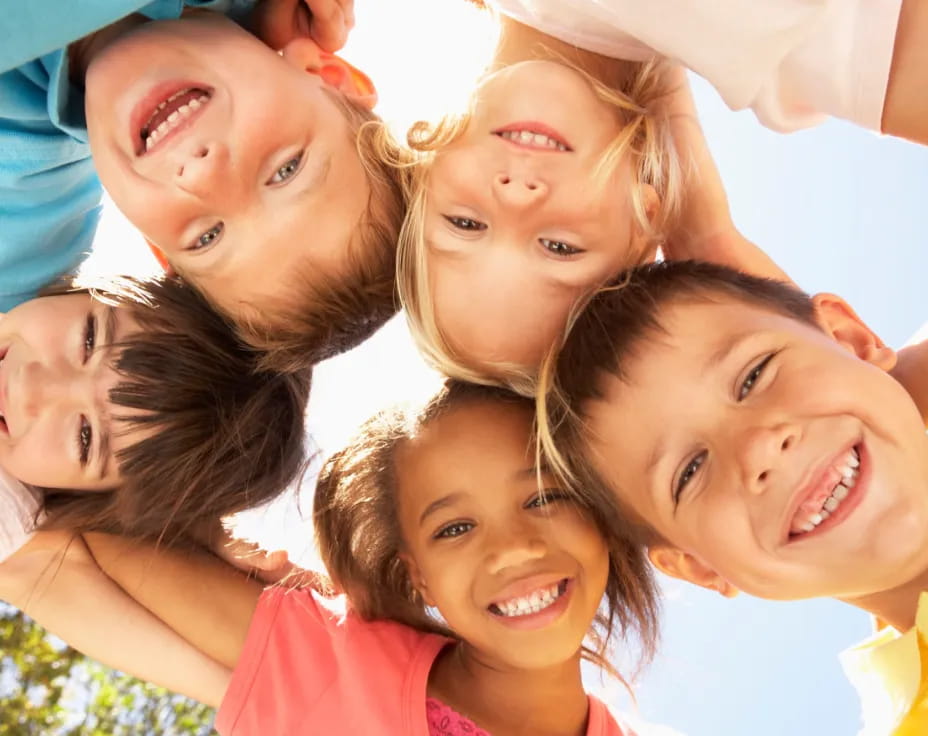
(634, 94)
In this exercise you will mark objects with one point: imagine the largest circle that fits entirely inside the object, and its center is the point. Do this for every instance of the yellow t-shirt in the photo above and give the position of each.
(890, 673)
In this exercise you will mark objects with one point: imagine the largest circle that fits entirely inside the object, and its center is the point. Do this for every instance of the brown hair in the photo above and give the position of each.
(360, 541)
(218, 434)
(635, 92)
(606, 335)
(314, 320)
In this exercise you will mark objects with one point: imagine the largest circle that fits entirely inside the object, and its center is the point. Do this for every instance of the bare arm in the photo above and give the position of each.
(205, 601)
(704, 230)
(905, 110)
(54, 579)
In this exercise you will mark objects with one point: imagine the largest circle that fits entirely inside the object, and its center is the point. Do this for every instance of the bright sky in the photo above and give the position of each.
(840, 209)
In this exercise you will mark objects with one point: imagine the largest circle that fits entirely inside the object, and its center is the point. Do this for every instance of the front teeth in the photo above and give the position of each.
(849, 468)
(530, 138)
(537, 601)
(180, 114)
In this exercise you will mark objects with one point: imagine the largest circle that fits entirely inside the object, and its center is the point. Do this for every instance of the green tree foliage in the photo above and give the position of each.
(49, 689)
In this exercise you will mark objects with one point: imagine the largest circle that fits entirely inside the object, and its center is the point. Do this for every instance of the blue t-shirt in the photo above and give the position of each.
(49, 192)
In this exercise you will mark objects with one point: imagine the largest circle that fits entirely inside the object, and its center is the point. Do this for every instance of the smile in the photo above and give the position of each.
(535, 602)
(164, 113)
(829, 496)
(533, 135)
(4, 429)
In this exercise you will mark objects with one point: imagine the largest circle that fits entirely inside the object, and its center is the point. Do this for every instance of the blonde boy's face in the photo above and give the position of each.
(771, 456)
(515, 215)
(255, 177)
(516, 575)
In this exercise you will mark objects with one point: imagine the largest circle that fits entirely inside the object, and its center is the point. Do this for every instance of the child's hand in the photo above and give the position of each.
(327, 22)
(269, 567)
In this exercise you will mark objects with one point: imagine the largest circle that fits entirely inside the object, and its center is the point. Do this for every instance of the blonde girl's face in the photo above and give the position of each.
(517, 576)
(517, 226)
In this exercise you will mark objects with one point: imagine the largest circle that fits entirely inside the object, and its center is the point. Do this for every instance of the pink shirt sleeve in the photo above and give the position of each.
(19, 508)
(308, 666)
(792, 61)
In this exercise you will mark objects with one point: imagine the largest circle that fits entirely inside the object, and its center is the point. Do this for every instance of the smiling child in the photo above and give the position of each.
(753, 433)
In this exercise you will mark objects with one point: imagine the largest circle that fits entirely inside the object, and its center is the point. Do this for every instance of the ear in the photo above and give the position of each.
(685, 566)
(651, 201)
(304, 53)
(841, 322)
(418, 581)
(161, 258)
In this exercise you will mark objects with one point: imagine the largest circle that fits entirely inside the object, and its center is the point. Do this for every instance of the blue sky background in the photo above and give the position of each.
(839, 208)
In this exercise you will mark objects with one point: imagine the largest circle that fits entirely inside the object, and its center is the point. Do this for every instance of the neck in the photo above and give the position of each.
(518, 42)
(82, 51)
(896, 606)
(503, 700)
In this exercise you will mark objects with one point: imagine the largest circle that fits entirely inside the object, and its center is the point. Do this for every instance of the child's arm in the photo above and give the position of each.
(207, 602)
(54, 579)
(704, 229)
(905, 110)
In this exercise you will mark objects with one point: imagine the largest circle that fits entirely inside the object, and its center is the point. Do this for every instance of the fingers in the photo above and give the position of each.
(331, 22)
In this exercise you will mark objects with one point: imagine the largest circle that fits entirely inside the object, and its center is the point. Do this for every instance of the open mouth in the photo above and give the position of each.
(528, 605)
(830, 501)
(168, 113)
(535, 136)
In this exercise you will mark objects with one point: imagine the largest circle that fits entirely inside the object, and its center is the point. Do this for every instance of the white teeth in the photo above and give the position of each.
(849, 470)
(536, 139)
(175, 118)
(533, 603)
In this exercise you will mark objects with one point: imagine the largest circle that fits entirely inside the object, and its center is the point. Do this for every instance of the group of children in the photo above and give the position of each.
(605, 414)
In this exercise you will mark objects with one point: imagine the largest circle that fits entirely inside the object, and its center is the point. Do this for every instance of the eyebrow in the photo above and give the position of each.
(438, 504)
(103, 443)
(728, 346)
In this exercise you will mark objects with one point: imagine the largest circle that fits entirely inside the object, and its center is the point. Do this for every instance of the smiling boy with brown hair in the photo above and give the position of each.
(753, 432)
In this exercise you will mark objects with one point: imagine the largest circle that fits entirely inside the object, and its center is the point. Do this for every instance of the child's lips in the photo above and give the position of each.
(167, 109)
(535, 611)
(848, 503)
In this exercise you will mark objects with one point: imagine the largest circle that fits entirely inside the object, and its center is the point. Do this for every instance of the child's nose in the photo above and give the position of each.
(520, 190)
(40, 388)
(203, 172)
(514, 547)
(763, 449)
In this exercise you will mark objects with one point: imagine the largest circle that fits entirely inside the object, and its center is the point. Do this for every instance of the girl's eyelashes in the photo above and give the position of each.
(559, 247)
(753, 376)
(287, 171)
(546, 498)
(469, 224)
(208, 237)
(90, 336)
(84, 440)
(454, 529)
(688, 473)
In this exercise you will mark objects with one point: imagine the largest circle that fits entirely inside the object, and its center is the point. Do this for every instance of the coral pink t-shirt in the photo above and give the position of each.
(310, 667)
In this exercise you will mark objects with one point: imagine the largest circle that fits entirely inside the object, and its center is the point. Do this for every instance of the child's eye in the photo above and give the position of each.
(689, 472)
(455, 529)
(84, 440)
(466, 223)
(559, 247)
(751, 379)
(287, 170)
(546, 498)
(208, 237)
(90, 335)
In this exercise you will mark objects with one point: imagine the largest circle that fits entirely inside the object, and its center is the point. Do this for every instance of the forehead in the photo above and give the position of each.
(465, 447)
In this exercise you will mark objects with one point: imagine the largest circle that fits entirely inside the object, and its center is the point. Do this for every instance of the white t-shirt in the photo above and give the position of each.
(19, 505)
(792, 61)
